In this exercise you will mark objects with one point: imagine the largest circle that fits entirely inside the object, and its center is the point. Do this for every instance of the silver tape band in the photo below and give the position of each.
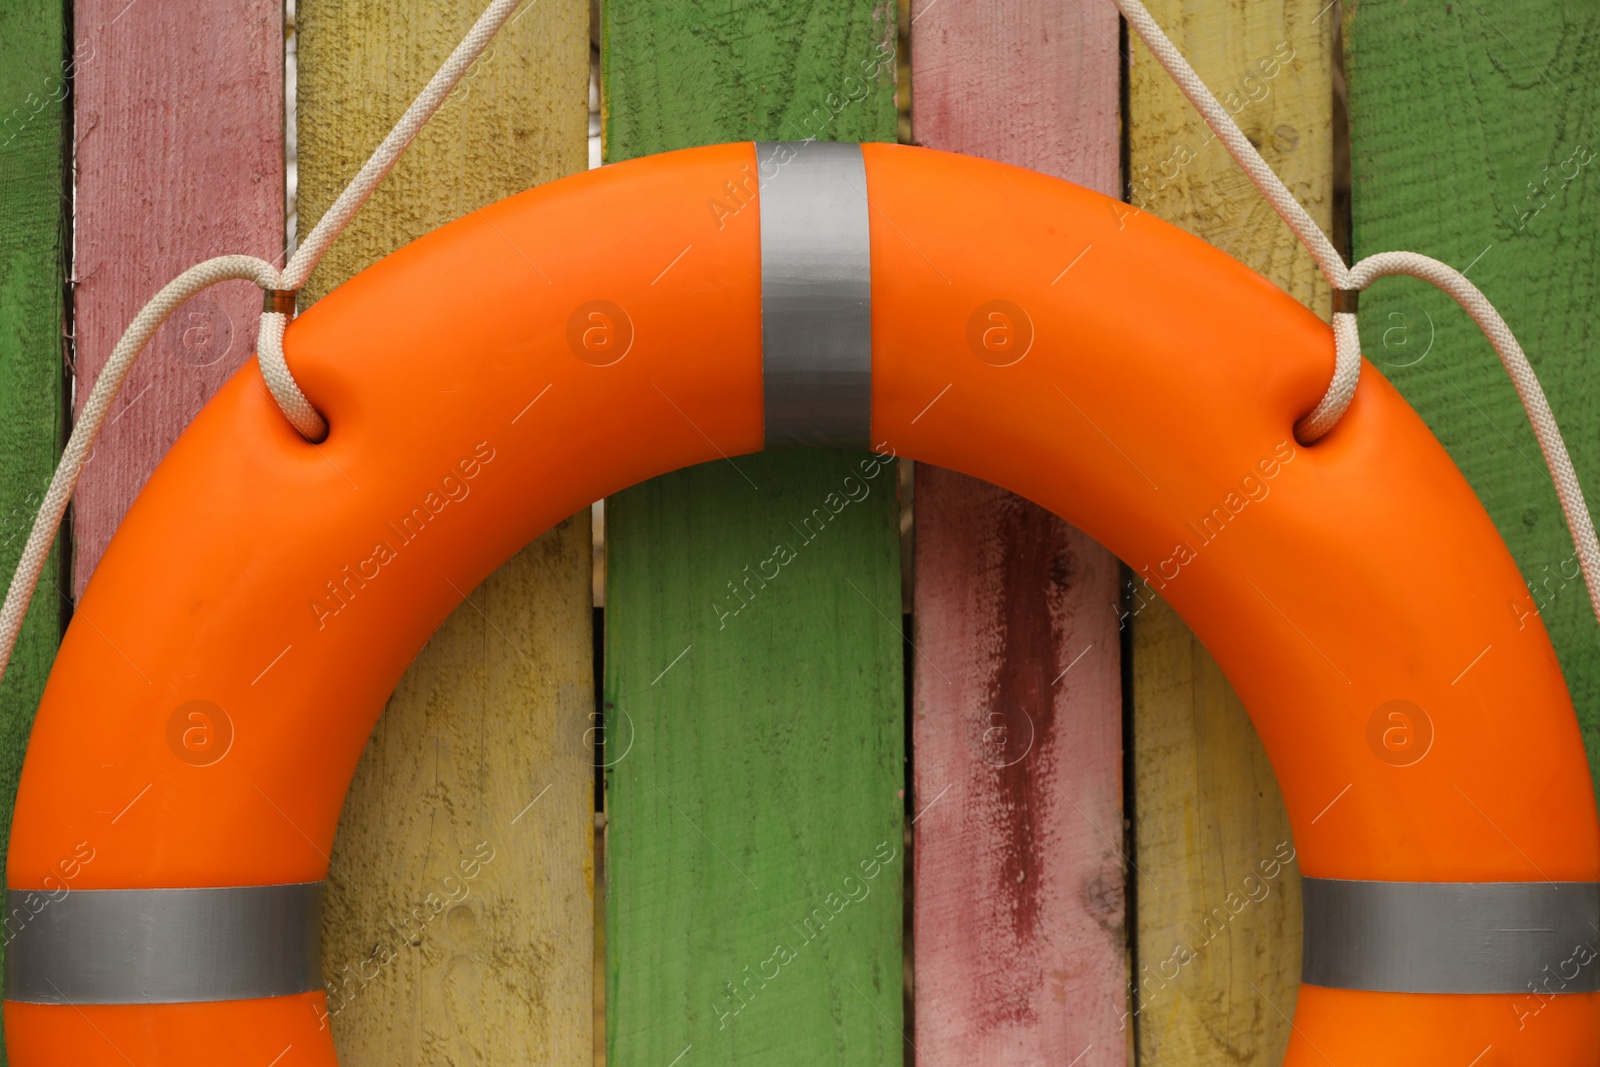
(163, 946)
(1452, 937)
(816, 294)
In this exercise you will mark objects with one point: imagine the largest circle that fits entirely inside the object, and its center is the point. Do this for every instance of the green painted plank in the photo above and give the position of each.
(1474, 140)
(754, 853)
(763, 773)
(34, 69)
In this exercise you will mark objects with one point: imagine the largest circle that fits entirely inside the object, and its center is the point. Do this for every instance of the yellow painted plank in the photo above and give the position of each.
(464, 854)
(1217, 906)
(460, 919)
(1270, 62)
(519, 117)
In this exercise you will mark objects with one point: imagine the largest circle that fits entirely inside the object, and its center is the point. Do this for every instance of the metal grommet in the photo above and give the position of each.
(281, 301)
(1345, 300)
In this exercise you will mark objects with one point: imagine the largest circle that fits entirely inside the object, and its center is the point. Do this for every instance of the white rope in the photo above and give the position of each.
(296, 408)
(388, 153)
(305, 418)
(1529, 391)
(269, 346)
(1347, 341)
(93, 417)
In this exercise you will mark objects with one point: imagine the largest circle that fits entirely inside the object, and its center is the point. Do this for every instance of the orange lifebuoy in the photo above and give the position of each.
(264, 595)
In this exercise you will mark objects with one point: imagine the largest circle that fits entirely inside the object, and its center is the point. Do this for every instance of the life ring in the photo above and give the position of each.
(504, 371)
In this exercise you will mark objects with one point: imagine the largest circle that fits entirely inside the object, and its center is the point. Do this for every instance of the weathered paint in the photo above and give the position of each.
(162, 185)
(766, 760)
(482, 755)
(35, 68)
(1019, 910)
(1207, 808)
(1019, 914)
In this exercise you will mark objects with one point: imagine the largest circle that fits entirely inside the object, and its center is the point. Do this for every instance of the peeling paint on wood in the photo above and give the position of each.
(482, 756)
(1019, 907)
(1207, 806)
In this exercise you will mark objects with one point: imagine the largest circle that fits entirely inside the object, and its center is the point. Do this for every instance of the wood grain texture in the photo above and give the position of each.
(1020, 936)
(494, 713)
(767, 771)
(1508, 189)
(754, 844)
(754, 860)
(689, 73)
(1019, 916)
(1216, 969)
(35, 65)
(1271, 64)
(518, 118)
(482, 759)
(1218, 950)
(163, 183)
(1023, 82)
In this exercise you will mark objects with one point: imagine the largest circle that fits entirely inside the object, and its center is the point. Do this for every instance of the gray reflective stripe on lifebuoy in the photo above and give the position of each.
(1452, 937)
(816, 294)
(164, 946)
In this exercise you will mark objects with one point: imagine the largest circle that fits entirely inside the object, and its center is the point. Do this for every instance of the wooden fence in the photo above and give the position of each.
(968, 793)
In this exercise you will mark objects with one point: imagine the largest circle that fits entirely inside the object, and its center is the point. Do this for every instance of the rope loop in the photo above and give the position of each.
(291, 399)
(275, 316)
(1347, 284)
(278, 307)
(281, 291)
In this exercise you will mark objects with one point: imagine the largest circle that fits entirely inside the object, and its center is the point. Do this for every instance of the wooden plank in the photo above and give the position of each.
(35, 63)
(1217, 948)
(1508, 191)
(1021, 82)
(1271, 64)
(754, 851)
(1020, 940)
(474, 761)
(754, 825)
(474, 734)
(519, 117)
(162, 185)
(1218, 906)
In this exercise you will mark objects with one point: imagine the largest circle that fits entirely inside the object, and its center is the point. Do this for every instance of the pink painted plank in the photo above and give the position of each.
(1019, 903)
(1030, 82)
(1019, 876)
(179, 125)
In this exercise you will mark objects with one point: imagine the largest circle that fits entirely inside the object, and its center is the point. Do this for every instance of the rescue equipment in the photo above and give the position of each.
(501, 373)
